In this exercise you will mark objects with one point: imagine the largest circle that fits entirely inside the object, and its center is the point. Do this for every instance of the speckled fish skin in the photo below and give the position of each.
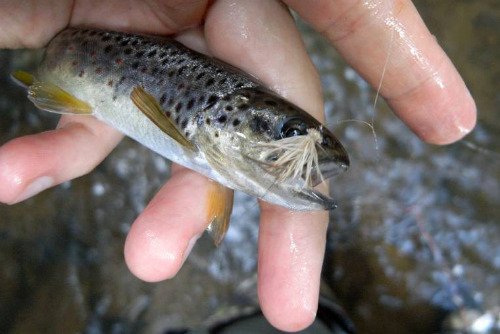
(221, 110)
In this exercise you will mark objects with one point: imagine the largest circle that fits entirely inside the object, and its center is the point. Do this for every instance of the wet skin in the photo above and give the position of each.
(421, 85)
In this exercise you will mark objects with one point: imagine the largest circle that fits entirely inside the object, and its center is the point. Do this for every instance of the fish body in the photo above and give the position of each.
(195, 110)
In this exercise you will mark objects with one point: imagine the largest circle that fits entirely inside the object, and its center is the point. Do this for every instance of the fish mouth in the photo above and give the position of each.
(329, 168)
(316, 200)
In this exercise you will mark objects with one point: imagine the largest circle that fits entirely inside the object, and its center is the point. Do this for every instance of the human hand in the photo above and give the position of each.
(260, 37)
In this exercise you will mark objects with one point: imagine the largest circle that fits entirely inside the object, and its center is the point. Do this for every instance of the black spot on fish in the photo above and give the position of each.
(187, 134)
(135, 42)
(207, 120)
(170, 101)
(184, 124)
(239, 85)
(179, 72)
(258, 124)
(118, 39)
(135, 65)
(236, 122)
(127, 51)
(163, 98)
(165, 61)
(243, 106)
(226, 98)
(209, 82)
(271, 103)
(177, 120)
(81, 73)
(106, 38)
(201, 75)
(229, 108)
(216, 134)
(180, 86)
(212, 100)
(122, 79)
(201, 98)
(124, 42)
(151, 54)
(178, 107)
(98, 70)
(190, 104)
(154, 70)
(222, 118)
(171, 73)
(222, 81)
(108, 49)
(219, 71)
(139, 54)
(110, 83)
(163, 54)
(168, 113)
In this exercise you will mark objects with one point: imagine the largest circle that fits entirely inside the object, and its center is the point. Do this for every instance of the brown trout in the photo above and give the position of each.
(192, 109)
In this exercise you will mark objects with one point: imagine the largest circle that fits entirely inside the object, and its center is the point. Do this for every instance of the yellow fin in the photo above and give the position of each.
(219, 207)
(51, 98)
(23, 78)
(148, 105)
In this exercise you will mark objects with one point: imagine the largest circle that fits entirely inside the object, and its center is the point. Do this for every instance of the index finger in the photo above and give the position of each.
(420, 83)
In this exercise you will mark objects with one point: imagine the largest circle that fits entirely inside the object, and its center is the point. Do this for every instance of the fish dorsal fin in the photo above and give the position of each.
(50, 97)
(150, 107)
(219, 207)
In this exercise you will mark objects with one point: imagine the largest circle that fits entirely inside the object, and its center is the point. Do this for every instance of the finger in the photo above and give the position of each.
(163, 235)
(421, 84)
(20, 21)
(31, 164)
(150, 16)
(260, 37)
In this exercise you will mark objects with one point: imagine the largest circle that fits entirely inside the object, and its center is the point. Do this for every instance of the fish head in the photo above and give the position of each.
(272, 145)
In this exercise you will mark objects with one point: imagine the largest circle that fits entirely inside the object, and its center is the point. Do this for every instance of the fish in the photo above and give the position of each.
(194, 110)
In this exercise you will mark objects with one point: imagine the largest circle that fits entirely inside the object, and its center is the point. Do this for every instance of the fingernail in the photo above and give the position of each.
(35, 187)
(190, 246)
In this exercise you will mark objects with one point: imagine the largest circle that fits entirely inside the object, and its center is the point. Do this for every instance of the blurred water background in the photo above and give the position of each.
(414, 246)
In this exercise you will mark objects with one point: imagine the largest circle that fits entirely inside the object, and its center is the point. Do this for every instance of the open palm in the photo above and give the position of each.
(421, 85)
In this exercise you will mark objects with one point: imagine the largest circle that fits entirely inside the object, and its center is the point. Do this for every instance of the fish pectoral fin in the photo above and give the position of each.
(219, 207)
(150, 107)
(50, 97)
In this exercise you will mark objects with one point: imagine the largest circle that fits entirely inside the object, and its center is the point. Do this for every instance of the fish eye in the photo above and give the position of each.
(293, 127)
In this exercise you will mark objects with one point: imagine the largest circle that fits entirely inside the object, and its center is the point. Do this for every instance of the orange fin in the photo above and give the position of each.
(50, 97)
(148, 105)
(219, 207)
(23, 78)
